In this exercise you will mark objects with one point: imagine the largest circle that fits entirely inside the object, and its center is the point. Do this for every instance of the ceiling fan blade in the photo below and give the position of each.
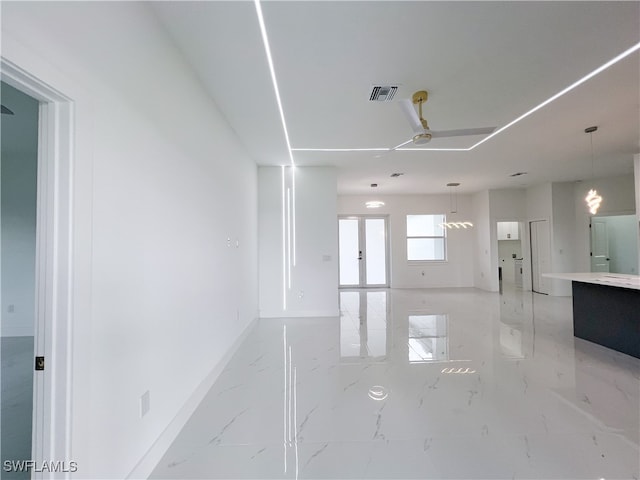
(6, 111)
(401, 145)
(412, 116)
(463, 132)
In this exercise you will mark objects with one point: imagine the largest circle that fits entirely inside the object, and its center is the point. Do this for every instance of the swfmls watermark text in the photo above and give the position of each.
(61, 466)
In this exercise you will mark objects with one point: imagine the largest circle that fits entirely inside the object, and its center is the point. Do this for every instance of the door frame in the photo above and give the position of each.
(51, 431)
(363, 244)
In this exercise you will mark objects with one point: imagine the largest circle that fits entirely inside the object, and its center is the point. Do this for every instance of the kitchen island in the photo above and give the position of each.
(606, 309)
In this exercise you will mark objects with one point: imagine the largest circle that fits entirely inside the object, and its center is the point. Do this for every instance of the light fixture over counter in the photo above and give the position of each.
(593, 199)
(453, 203)
(374, 204)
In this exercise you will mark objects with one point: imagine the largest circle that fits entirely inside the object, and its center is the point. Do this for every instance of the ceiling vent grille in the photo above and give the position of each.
(383, 93)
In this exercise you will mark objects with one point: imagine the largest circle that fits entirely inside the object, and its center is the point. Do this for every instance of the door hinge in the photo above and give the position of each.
(39, 363)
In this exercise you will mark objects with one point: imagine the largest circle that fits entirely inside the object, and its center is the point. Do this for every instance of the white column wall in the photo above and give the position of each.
(313, 287)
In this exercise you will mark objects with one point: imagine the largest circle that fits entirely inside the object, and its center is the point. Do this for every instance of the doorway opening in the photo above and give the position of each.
(510, 254)
(18, 200)
(51, 267)
(363, 251)
(614, 246)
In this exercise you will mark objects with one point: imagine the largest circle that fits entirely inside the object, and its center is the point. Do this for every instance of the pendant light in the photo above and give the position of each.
(593, 199)
(453, 204)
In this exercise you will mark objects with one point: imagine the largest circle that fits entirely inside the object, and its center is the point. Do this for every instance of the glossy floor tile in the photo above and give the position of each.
(442, 383)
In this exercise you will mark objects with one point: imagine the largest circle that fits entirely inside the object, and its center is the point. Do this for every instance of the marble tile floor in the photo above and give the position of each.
(439, 383)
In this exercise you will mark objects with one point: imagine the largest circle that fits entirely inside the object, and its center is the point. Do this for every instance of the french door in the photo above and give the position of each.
(363, 251)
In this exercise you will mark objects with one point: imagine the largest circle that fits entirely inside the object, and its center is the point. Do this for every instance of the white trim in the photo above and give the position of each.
(148, 462)
(51, 434)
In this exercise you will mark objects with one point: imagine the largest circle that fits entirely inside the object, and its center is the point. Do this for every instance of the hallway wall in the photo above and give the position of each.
(163, 191)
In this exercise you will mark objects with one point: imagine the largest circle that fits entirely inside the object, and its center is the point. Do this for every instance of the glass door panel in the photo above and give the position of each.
(349, 245)
(363, 251)
(376, 251)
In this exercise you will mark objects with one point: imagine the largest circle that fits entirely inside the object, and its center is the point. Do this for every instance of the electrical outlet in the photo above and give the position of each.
(145, 403)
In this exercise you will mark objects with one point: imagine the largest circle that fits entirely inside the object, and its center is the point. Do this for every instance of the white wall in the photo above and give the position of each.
(618, 197)
(457, 271)
(636, 170)
(562, 235)
(161, 182)
(485, 274)
(623, 245)
(18, 172)
(313, 289)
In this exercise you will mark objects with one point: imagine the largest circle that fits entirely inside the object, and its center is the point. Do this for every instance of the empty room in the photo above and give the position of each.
(320, 239)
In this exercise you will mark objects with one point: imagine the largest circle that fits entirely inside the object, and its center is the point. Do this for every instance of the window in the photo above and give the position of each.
(426, 238)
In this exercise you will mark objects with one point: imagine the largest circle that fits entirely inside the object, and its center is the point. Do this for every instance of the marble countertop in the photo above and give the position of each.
(601, 278)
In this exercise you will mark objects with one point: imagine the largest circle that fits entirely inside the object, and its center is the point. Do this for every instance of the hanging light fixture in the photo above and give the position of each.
(593, 199)
(453, 203)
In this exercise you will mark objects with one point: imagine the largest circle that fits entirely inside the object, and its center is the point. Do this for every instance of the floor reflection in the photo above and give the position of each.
(364, 324)
(441, 383)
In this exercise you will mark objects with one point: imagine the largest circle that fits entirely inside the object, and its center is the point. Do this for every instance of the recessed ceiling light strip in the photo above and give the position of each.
(267, 49)
(598, 70)
(579, 82)
(340, 149)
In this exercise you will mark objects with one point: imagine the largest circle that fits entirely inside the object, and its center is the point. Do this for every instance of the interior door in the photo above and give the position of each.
(363, 251)
(600, 260)
(540, 255)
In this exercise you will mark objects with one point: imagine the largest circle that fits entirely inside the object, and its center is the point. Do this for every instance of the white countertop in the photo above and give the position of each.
(612, 279)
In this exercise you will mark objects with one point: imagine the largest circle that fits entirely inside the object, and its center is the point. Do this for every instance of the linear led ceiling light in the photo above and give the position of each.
(267, 49)
(562, 92)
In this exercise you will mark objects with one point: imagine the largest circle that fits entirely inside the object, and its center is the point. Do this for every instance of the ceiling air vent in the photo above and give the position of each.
(383, 93)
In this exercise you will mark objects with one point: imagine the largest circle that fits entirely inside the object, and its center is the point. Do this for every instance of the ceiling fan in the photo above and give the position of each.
(422, 133)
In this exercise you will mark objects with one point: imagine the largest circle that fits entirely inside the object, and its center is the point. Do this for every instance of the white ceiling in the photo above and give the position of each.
(483, 63)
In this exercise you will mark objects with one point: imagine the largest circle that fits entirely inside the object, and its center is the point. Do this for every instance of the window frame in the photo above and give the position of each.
(409, 237)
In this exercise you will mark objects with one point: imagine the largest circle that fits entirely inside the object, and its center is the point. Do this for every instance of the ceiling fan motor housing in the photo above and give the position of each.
(422, 138)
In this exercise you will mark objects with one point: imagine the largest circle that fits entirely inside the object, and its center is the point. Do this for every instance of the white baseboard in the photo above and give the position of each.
(148, 462)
